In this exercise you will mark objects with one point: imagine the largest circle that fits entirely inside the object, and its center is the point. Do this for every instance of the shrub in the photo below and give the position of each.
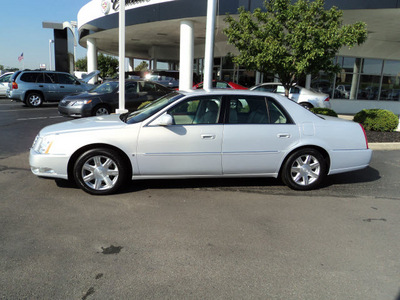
(377, 119)
(324, 111)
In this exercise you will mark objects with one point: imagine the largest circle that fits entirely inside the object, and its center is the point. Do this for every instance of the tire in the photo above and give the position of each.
(34, 99)
(304, 170)
(306, 105)
(100, 110)
(100, 171)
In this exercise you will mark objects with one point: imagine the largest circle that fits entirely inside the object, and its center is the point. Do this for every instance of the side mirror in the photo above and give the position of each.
(164, 120)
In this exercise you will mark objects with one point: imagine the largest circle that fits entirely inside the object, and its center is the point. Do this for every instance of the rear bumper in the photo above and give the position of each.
(349, 160)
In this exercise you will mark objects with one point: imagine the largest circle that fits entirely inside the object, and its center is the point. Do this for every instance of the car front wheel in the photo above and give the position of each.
(34, 100)
(101, 110)
(304, 169)
(100, 171)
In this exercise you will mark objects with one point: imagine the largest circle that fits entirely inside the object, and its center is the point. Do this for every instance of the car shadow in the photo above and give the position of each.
(253, 183)
(366, 175)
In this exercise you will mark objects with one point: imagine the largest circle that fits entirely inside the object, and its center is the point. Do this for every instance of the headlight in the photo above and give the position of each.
(80, 102)
(43, 144)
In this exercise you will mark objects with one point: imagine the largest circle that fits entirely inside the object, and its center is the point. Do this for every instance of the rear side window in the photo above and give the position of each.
(256, 110)
(32, 77)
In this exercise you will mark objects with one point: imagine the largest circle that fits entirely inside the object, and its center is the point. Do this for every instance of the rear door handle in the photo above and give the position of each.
(61, 86)
(208, 136)
(283, 135)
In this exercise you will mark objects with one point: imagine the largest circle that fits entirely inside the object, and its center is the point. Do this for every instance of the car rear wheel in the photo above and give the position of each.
(100, 171)
(305, 169)
(306, 105)
(101, 110)
(34, 100)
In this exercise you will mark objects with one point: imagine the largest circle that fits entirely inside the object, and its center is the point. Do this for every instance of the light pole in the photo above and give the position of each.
(50, 58)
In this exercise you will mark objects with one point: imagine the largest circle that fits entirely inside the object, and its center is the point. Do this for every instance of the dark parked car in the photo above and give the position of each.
(104, 98)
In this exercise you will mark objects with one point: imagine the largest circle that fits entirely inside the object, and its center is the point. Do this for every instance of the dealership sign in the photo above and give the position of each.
(108, 6)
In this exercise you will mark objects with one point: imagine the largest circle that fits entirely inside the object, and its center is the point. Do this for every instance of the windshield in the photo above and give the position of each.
(106, 87)
(151, 109)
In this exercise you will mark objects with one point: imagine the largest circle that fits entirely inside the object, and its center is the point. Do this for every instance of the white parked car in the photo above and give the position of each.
(305, 97)
(219, 133)
(4, 79)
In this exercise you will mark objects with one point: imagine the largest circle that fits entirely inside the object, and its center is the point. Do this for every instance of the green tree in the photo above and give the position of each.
(81, 64)
(143, 66)
(107, 65)
(291, 40)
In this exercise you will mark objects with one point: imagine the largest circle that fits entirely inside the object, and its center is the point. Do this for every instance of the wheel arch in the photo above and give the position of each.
(80, 151)
(321, 150)
(100, 104)
(27, 93)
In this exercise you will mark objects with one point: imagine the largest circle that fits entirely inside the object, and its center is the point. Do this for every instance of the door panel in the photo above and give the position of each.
(257, 136)
(180, 150)
(191, 146)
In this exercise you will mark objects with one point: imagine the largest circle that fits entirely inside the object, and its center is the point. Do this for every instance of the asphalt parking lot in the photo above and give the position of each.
(194, 239)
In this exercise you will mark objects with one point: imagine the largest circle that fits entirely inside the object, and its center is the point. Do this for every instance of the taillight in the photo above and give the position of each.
(365, 135)
(327, 99)
(14, 86)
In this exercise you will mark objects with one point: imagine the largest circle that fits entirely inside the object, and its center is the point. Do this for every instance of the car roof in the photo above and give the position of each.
(227, 92)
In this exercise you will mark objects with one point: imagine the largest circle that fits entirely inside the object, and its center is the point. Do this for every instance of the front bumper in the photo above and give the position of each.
(48, 165)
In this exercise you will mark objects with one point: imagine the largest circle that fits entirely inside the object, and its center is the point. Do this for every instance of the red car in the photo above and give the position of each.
(217, 84)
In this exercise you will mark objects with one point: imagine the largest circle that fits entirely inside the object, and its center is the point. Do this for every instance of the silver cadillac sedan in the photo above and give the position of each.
(217, 133)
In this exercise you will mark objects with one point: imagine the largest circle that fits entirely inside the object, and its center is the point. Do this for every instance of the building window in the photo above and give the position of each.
(362, 79)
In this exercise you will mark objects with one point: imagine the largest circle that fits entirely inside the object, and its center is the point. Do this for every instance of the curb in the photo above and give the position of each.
(384, 146)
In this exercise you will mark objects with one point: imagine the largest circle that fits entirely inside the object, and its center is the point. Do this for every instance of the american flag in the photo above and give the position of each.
(21, 57)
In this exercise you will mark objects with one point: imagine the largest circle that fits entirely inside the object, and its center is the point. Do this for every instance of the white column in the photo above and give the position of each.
(186, 55)
(131, 64)
(308, 81)
(209, 51)
(258, 77)
(91, 58)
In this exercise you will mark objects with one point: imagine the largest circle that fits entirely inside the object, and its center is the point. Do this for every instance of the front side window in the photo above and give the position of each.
(151, 109)
(5, 78)
(197, 110)
(221, 85)
(66, 79)
(145, 86)
(131, 87)
(50, 78)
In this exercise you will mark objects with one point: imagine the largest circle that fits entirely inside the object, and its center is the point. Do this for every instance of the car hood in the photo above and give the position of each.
(105, 122)
(82, 95)
(89, 76)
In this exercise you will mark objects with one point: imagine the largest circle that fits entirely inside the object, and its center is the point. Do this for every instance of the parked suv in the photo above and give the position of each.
(35, 87)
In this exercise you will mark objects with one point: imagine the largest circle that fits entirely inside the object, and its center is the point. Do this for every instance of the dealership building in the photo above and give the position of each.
(173, 32)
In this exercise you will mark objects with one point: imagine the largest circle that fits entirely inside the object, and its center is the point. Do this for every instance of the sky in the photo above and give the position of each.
(21, 30)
